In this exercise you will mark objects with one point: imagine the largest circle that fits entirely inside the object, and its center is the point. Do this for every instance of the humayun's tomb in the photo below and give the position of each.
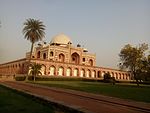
(61, 58)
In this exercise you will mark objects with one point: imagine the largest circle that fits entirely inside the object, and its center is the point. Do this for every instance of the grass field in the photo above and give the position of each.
(126, 91)
(12, 102)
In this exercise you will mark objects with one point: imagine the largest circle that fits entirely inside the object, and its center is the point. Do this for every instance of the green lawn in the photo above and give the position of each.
(12, 102)
(126, 91)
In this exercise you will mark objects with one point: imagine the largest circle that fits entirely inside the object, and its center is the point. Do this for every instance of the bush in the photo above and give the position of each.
(107, 76)
(46, 78)
(109, 79)
(55, 78)
(20, 78)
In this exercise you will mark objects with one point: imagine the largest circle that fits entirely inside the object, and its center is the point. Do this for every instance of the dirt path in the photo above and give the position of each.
(91, 103)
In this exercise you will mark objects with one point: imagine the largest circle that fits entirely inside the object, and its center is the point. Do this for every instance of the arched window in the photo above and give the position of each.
(51, 53)
(119, 75)
(91, 62)
(99, 74)
(75, 58)
(38, 54)
(116, 75)
(61, 57)
(44, 55)
(22, 65)
(83, 59)
(112, 74)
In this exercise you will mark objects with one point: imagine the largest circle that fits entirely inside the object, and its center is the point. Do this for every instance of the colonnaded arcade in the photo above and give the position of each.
(61, 58)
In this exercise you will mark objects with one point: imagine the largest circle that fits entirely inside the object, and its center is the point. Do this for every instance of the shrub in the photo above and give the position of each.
(20, 78)
(109, 79)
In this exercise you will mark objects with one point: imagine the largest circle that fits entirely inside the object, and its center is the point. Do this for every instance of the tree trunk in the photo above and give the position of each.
(137, 82)
(29, 61)
(135, 77)
(34, 77)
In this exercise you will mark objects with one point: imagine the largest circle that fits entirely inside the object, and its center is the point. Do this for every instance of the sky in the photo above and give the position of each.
(101, 26)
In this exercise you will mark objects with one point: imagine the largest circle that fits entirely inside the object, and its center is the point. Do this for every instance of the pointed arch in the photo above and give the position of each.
(44, 55)
(60, 71)
(43, 69)
(91, 62)
(51, 54)
(68, 71)
(38, 54)
(82, 74)
(52, 70)
(88, 73)
(93, 74)
(61, 57)
(75, 72)
(75, 58)
(99, 74)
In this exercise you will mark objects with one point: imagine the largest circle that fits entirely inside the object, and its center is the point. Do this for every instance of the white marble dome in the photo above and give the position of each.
(61, 39)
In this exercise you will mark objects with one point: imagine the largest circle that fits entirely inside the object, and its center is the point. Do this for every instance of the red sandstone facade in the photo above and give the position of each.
(61, 58)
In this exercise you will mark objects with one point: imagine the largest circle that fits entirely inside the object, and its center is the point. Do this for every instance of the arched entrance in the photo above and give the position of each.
(82, 74)
(43, 70)
(88, 73)
(68, 72)
(60, 71)
(94, 74)
(99, 74)
(103, 73)
(75, 72)
(75, 58)
(52, 71)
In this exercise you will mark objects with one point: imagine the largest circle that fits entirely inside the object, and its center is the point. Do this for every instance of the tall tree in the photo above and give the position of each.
(33, 31)
(35, 70)
(131, 58)
(145, 68)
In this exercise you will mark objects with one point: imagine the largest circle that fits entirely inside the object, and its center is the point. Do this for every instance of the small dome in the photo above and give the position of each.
(85, 50)
(60, 39)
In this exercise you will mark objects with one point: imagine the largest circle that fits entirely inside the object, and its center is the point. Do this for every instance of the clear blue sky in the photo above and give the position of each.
(101, 26)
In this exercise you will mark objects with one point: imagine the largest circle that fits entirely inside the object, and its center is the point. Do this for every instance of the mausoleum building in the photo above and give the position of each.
(61, 58)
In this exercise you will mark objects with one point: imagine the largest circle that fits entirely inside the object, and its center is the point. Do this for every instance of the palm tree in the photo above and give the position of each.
(35, 70)
(33, 31)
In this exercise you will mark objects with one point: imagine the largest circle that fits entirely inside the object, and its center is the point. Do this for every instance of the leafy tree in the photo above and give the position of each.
(35, 70)
(145, 69)
(131, 58)
(33, 31)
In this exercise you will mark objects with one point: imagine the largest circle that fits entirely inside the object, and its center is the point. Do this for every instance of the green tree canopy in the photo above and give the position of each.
(33, 30)
(131, 57)
(35, 70)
